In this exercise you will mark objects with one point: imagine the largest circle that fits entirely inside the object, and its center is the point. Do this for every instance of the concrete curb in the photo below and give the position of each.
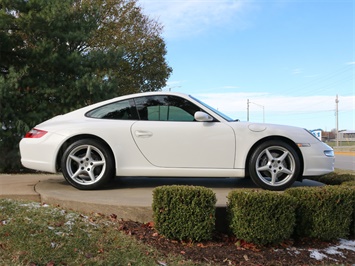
(349, 153)
(128, 198)
(58, 192)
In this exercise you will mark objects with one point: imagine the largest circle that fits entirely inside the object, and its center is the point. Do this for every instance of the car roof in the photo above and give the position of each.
(140, 94)
(152, 93)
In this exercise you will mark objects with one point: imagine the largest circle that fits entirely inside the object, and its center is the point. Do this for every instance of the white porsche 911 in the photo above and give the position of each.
(170, 134)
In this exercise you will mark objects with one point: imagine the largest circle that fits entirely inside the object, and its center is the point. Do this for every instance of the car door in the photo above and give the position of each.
(168, 136)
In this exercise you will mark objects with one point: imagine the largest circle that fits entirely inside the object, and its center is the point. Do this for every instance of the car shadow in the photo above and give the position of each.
(218, 182)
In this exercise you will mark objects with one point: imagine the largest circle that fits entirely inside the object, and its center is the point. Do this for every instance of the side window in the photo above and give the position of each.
(165, 108)
(123, 110)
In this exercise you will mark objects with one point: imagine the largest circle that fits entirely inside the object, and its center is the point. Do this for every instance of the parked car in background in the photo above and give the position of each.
(167, 134)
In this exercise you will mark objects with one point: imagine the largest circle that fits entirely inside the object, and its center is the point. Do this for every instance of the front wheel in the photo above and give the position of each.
(87, 164)
(274, 165)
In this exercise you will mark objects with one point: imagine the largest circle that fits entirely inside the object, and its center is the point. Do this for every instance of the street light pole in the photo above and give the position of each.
(170, 88)
(337, 118)
(262, 106)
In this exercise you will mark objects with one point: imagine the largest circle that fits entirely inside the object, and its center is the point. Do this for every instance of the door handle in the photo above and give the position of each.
(143, 134)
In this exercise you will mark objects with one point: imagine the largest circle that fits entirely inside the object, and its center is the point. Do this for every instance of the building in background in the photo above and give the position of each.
(347, 135)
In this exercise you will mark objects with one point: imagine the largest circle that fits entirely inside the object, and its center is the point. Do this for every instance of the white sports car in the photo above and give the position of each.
(170, 134)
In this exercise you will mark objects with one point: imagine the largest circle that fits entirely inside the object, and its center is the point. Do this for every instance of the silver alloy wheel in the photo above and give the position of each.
(275, 166)
(86, 164)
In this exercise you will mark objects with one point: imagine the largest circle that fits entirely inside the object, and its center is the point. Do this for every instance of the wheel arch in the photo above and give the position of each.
(73, 139)
(277, 138)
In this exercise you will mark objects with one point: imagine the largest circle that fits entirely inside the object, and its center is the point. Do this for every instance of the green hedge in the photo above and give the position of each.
(261, 217)
(351, 185)
(258, 216)
(323, 212)
(333, 178)
(184, 212)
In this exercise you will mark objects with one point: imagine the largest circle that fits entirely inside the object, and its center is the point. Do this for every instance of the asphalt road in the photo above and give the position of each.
(345, 162)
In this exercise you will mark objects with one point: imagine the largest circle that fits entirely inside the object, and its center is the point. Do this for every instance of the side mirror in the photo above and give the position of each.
(203, 117)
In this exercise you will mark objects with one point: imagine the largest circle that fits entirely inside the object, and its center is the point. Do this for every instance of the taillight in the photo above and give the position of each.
(35, 133)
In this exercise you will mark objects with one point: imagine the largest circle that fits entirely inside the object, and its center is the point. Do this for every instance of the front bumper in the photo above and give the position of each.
(318, 160)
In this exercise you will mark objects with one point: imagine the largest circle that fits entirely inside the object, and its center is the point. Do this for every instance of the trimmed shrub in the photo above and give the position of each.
(351, 185)
(261, 217)
(333, 178)
(184, 212)
(323, 212)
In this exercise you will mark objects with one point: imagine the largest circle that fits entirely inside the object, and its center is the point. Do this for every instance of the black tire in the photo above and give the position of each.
(274, 165)
(87, 164)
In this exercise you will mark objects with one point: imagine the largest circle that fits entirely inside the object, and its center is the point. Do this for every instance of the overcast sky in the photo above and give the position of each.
(290, 58)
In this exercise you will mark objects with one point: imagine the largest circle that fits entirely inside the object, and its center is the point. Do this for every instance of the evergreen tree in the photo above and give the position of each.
(56, 56)
(143, 63)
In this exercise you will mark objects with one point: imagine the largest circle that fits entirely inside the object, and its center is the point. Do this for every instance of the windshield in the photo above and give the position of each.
(213, 110)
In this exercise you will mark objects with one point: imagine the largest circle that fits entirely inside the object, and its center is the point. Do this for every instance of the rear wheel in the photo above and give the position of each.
(87, 164)
(274, 165)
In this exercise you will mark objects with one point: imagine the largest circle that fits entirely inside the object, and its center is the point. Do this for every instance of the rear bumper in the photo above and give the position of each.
(40, 154)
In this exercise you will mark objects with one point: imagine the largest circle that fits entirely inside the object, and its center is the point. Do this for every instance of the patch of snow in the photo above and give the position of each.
(335, 250)
(69, 223)
(347, 244)
(293, 251)
(315, 254)
(4, 222)
(33, 205)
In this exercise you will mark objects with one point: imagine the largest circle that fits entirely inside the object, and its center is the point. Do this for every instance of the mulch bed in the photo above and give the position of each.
(227, 250)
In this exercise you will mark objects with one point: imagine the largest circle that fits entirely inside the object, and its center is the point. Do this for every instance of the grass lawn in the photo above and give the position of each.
(36, 234)
(342, 145)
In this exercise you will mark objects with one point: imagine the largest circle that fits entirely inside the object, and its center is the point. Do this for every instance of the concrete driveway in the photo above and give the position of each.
(129, 197)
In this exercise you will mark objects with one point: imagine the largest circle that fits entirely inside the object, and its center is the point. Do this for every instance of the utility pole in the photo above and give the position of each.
(337, 118)
(248, 110)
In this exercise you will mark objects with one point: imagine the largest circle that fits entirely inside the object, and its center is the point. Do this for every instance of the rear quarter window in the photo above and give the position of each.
(122, 110)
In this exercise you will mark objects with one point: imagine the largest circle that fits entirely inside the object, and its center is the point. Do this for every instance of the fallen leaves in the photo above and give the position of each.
(243, 245)
(149, 224)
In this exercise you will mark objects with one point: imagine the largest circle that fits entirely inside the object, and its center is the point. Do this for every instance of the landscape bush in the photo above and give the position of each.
(184, 212)
(261, 217)
(323, 212)
(333, 178)
(351, 185)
